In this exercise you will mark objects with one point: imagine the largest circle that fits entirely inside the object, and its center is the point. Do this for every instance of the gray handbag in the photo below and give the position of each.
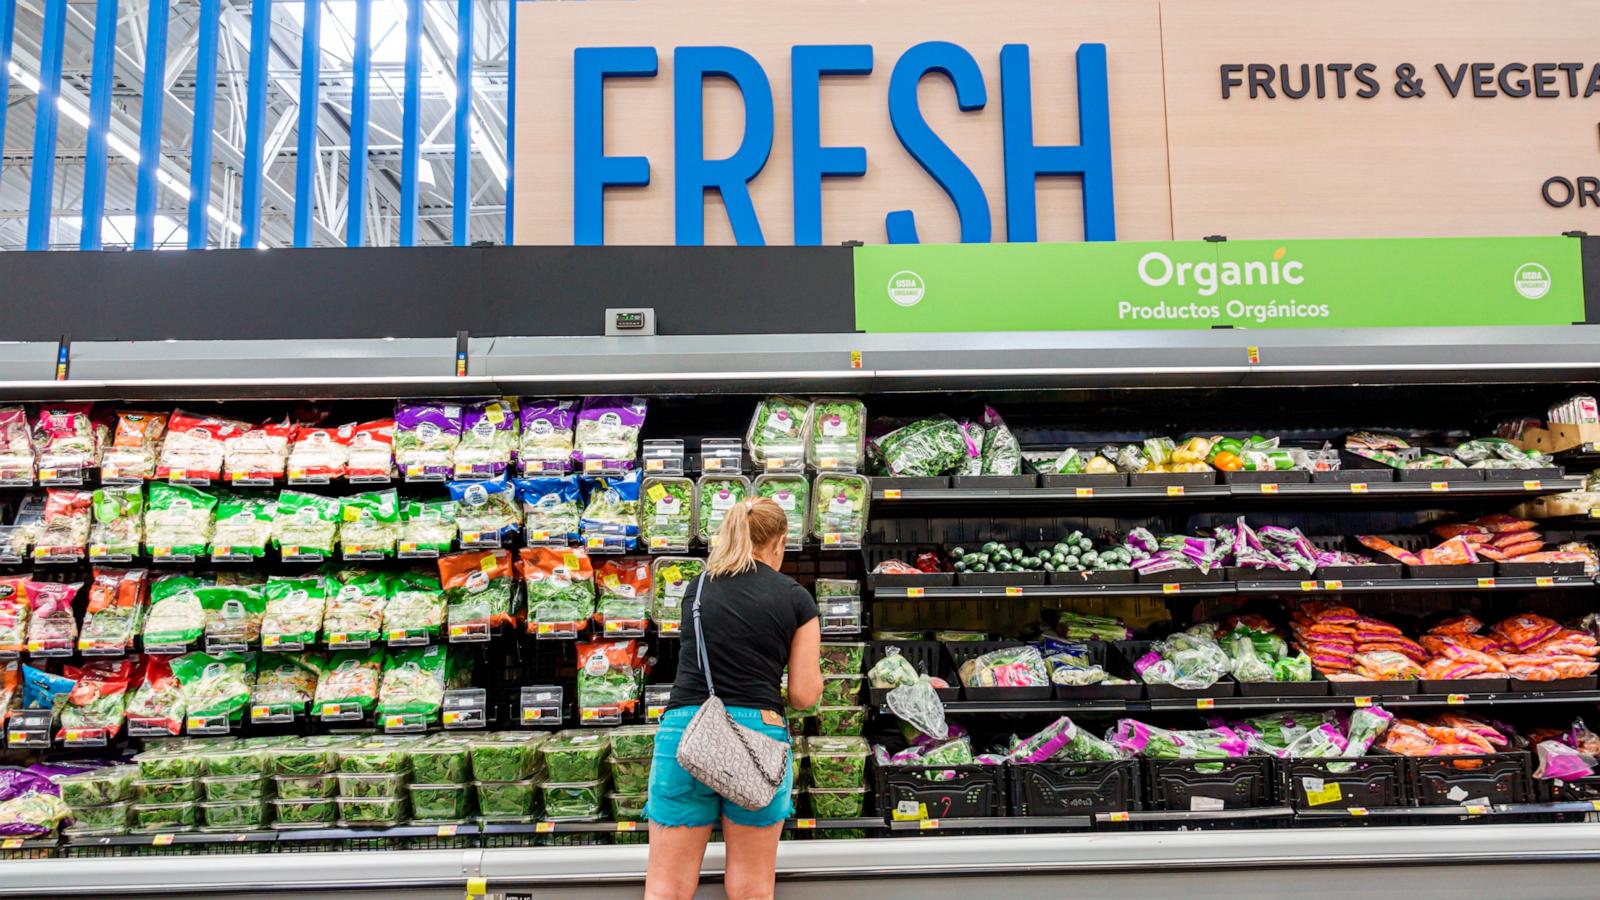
(740, 764)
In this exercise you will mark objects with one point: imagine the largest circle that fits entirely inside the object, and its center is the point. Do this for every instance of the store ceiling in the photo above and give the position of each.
(437, 123)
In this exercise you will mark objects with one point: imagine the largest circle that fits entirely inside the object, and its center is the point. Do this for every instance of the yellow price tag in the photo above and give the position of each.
(805, 823)
(588, 715)
(571, 560)
(1358, 487)
(543, 827)
(84, 645)
(1171, 588)
(913, 593)
(655, 712)
(1485, 582)
(627, 826)
(892, 494)
(397, 634)
(1455, 699)
(408, 547)
(161, 840)
(592, 465)
(671, 627)
(546, 628)
(1363, 702)
(832, 538)
(98, 550)
(1253, 354)
(1544, 581)
(657, 541)
(1083, 492)
(446, 831)
(297, 474)
(50, 475)
(414, 470)
(1013, 592)
(655, 492)
(1174, 490)
(1595, 804)
(855, 359)
(35, 646)
(1357, 810)
(532, 714)
(614, 626)
(271, 640)
(11, 843)
(1533, 485)
(928, 825)
(1476, 809)
(1308, 585)
(451, 717)
(458, 630)
(337, 638)
(1119, 817)
(654, 465)
(1269, 488)
(1334, 585)
(828, 462)
(286, 551)
(1439, 487)
(495, 414)
(260, 712)
(196, 722)
(394, 721)
(1204, 703)
(1329, 793)
(487, 564)
(671, 574)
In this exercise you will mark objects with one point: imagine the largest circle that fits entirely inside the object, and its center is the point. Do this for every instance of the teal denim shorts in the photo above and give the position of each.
(679, 799)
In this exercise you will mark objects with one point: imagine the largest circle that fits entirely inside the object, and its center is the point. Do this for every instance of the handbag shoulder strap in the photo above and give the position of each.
(699, 636)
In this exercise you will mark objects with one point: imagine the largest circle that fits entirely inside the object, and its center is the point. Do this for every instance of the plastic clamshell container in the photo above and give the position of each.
(506, 801)
(627, 807)
(238, 760)
(843, 657)
(440, 804)
(305, 787)
(371, 812)
(507, 755)
(166, 790)
(631, 776)
(837, 803)
(316, 755)
(837, 762)
(236, 815)
(716, 494)
(841, 690)
(233, 788)
(573, 802)
(168, 763)
(108, 784)
(152, 817)
(832, 515)
(442, 759)
(841, 720)
(574, 756)
(371, 785)
(633, 741)
(307, 813)
(110, 818)
(378, 754)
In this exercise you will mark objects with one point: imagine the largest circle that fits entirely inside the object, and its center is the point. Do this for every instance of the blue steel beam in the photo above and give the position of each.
(255, 115)
(306, 140)
(155, 89)
(410, 125)
(463, 149)
(360, 100)
(205, 107)
(102, 77)
(511, 125)
(42, 187)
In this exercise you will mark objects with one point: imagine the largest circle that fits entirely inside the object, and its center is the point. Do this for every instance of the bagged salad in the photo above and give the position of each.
(425, 437)
(489, 438)
(370, 522)
(16, 445)
(839, 508)
(624, 591)
(479, 589)
(64, 438)
(416, 606)
(348, 681)
(1001, 453)
(30, 803)
(305, 524)
(606, 434)
(244, 524)
(178, 520)
(14, 609)
(792, 493)
(718, 494)
(427, 525)
(546, 444)
(355, 606)
(286, 680)
(52, 628)
(43, 690)
(414, 681)
(611, 518)
(667, 520)
(294, 612)
(116, 608)
(372, 450)
(561, 593)
(66, 523)
(1191, 660)
(319, 452)
(551, 508)
(610, 677)
(926, 447)
(486, 510)
(194, 446)
(672, 576)
(95, 706)
(131, 454)
(215, 685)
(119, 521)
(836, 438)
(778, 431)
(257, 454)
(233, 613)
(157, 698)
(1019, 666)
(176, 617)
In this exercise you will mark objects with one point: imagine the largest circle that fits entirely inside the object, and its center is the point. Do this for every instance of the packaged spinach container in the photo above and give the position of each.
(232, 788)
(792, 493)
(506, 801)
(305, 787)
(718, 494)
(841, 720)
(236, 815)
(388, 785)
(630, 776)
(837, 803)
(315, 755)
(572, 756)
(108, 818)
(307, 813)
(841, 690)
(163, 763)
(576, 802)
(672, 576)
(439, 804)
(371, 812)
(238, 760)
(843, 657)
(148, 817)
(837, 762)
(627, 807)
(378, 754)
(96, 787)
(633, 741)
(442, 759)
(166, 790)
(506, 755)
(667, 516)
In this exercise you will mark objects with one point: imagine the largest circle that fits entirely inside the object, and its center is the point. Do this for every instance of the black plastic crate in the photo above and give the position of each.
(1396, 688)
(961, 651)
(1369, 781)
(1514, 569)
(1582, 789)
(1006, 482)
(906, 553)
(1201, 784)
(1000, 579)
(1584, 683)
(1097, 480)
(1426, 476)
(1108, 657)
(942, 792)
(1183, 576)
(1172, 479)
(910, 482)
(1094, 576)
(1416, 543)
(927, 656)
(1132, 651)
(1462, 685)
(1318, 686)
(1275, 476)
(1246, 575)
(1542, 473)
(1470, 780)
(1063, 788)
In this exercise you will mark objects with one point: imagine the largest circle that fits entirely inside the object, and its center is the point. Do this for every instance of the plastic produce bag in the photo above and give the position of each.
(320, 452)
(116, 607)
(305, 524)
(14, 610)
(286, 680)
(427, 525)
(612, 514)
(372, 450)
(257, 453)
(667, 513)
(551, 508)
(52, 627)
(839, 508)
(294, 612)
(416, 606)
(925, 447)
(215, 685)
(778, 429)
(194, 446)
(892, 671)
(546, 443)
(610, 676)
(918, 705)
(16, 444)
(486, 509)
(66, 524)
(488, 438)
(1136, 738)
(1001, 454)
(425, 437)
(30, 804)
(42, 690)
(478, 588)
(63, 437)
(178, 520)
(233, 613)
(1020, 666)
(119, 520)
(349, 680)
(718, 494)
(561, 593)
(792, 493)
(624, 588)
(1185, 660)
(837, 435)
(607, 432)
(176, 617)
(355, 607)
(414, 681)
(244, 524)
(95, 706)
(157, 699)
(370, 522)
(1063, 739)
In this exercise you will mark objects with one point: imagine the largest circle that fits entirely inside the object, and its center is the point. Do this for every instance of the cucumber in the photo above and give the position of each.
(957, 552)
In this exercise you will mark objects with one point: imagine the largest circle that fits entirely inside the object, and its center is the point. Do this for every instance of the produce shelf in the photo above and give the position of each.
(1068, 707)
(1190, 589)
(1265, 492)
(1220, 815)
(1494, 809)
(993, 823)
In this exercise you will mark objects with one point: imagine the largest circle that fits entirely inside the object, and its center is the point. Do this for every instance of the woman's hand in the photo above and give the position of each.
(805, 666)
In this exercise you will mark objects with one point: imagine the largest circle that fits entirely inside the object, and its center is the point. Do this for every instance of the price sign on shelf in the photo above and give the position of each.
(465, 708)
(540, 704)
(655, 701)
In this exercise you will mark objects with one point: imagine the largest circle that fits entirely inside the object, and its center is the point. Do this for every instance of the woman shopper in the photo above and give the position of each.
(755, 622)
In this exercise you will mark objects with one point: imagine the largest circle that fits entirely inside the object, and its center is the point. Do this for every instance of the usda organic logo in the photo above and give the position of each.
(1532, 280)
(906, 288)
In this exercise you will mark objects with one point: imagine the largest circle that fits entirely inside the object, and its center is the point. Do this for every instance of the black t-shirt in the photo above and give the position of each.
(749, 621)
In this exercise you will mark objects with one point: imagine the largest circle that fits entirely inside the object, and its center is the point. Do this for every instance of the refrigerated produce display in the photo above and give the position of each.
(1052, 608)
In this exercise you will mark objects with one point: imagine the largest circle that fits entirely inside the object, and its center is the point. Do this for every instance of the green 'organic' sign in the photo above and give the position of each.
(1196, 284)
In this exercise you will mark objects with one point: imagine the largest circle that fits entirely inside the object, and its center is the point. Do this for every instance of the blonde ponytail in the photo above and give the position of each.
(748, 525)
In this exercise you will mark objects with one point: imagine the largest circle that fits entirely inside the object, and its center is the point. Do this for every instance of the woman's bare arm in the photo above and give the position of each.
(805, 667)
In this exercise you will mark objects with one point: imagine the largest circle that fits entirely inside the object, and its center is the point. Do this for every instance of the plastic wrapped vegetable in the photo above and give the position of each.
(372, 450)
(244, 524)
(572, 756)
(320, 452)
(178, 520)
(839, 508)
(63, 437)
(1185, 660)
(158, 699)
(916, 704)
(370, 522)
(51, 625)
(778, 429)
(349, 680)
(607, 432)
(546, 444)
(443, 759)
(837, 762)
(667, 521)
(95, 706)
(923, 448)
(119, 521)
(176, 617)
(355, 608)
(414, 682)
(257, 453)
(30, 803)
(892, 671)
(672, 576)
(841, 720)
(1062, 739)
(633, 741)
(65, 526)
(16, 444)
(507, 756)
(624, 593)
(1020, 666)
(194, 446)
(506, 801)
(551, 508)
(215, 684)
(836, 437)
(42, 690)
(306, 524)
(288, 680)
(488, 438)
(1001, 454)
(486, 509)
(425, 438)
(233, 613)
(718, 494)
(560, 587)
(427, 525)
(294, 611)
(792, 493)
(14, 610)
(1135, 737)
(610, 676)
(478, 588)
(416, 606)
(116, 605)
(611, 516)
